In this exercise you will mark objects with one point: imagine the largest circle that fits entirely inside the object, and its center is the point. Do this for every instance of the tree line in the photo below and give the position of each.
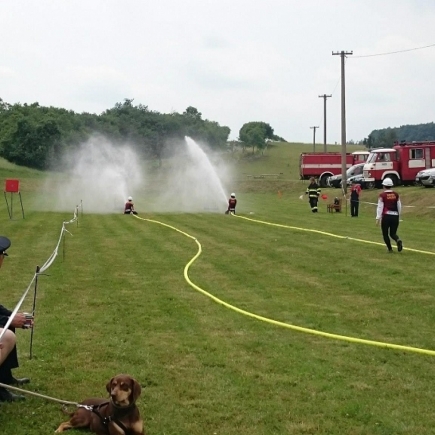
(36, 136)
(387, 136)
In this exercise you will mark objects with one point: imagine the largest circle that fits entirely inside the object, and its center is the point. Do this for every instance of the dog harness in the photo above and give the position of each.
(106, 420)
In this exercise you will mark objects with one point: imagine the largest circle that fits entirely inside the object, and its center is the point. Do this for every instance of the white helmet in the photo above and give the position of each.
(130, 198)
(387, 182)
(233, 195)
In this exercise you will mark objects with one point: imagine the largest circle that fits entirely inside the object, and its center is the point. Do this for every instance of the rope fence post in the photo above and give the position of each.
(33, 311)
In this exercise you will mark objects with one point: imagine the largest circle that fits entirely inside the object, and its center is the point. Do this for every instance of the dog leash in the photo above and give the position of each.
(63, 402)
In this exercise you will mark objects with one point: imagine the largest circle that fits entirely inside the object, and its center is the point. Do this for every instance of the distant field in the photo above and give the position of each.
(116, 300)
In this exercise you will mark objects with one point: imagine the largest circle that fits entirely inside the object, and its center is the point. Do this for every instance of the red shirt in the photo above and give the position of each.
(390, 200)
(129, 206)
(232, 202)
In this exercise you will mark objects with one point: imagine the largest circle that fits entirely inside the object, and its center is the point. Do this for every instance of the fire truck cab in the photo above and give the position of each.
(360, 157)
(401, 163)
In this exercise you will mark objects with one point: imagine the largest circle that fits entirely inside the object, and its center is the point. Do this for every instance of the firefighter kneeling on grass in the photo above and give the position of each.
(313, 192)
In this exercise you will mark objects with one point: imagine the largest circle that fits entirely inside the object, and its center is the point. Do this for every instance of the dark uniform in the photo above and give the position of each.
(354, 199)
(313, 192)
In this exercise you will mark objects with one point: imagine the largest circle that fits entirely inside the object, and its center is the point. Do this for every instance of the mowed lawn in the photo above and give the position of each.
(116, 301)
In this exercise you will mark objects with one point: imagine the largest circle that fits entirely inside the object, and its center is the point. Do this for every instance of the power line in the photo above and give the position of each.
(395, 52)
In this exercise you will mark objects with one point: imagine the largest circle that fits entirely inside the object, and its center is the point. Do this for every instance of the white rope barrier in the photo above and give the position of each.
(42, 269)
(405, 206)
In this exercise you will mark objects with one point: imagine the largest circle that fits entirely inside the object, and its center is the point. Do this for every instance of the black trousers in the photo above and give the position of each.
(354, 206)
(313, 204)
(389, 226)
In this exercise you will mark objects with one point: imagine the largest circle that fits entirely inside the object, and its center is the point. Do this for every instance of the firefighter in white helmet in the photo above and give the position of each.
(129, 206)
(388, 214)
(232, 202)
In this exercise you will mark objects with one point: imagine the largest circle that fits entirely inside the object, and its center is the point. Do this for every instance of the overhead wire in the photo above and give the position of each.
(394, 52)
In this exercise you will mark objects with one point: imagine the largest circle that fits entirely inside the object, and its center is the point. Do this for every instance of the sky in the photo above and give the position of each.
(236, 61)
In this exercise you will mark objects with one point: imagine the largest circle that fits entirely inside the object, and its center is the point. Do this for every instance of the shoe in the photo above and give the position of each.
(390, 251)
(7, 396)
(20, 381)
(399, 245)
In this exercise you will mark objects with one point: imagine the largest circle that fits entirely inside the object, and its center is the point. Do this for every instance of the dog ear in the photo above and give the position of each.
(109, 386)
(136, 389)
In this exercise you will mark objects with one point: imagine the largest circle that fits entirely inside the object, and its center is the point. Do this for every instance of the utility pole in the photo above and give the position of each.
(343, 54)
(314, 138)
(324, 96)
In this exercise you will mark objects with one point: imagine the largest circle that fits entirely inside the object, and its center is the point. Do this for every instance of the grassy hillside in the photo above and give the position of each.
(281, 158)
(116, 299)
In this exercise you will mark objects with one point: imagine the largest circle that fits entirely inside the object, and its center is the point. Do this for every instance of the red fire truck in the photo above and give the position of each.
(401, 163)
(324, 165)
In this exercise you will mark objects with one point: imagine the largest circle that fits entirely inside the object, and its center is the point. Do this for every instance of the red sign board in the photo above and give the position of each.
(12, 185)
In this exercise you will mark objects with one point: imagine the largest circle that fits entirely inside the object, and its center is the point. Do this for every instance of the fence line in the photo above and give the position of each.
(43, 268)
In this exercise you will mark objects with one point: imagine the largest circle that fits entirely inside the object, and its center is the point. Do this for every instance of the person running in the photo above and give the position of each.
(313, 192)
(354, 198)
(232, 202)
(129, 206)
(388, 214)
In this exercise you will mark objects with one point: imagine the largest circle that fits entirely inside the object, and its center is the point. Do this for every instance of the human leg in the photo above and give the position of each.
(313, 205)
(394, 225)
(356, 208)
(385, 226)
(7, 344)
(353, 208)
(8, 360)
(393, 232)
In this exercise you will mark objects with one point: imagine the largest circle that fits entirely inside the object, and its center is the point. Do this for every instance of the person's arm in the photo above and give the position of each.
(399, 206)
(379, 209)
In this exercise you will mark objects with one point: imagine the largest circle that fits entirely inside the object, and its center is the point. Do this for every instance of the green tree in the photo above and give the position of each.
(36, 136)
(251, 132)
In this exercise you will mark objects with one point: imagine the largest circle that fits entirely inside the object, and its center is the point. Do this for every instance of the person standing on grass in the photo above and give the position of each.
(388, 214)
(354, 198)
(8, 349)
(313, 192)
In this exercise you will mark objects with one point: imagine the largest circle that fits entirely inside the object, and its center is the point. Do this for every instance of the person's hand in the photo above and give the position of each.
(378, 221)
(19, 320)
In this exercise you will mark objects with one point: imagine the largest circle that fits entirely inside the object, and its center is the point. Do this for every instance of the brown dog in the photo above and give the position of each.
(117, 416)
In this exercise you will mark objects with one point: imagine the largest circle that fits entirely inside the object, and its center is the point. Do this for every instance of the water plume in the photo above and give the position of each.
(101, 174)
(193, 181)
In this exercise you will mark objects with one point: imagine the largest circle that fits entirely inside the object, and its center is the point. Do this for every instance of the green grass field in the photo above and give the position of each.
(116, 301)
